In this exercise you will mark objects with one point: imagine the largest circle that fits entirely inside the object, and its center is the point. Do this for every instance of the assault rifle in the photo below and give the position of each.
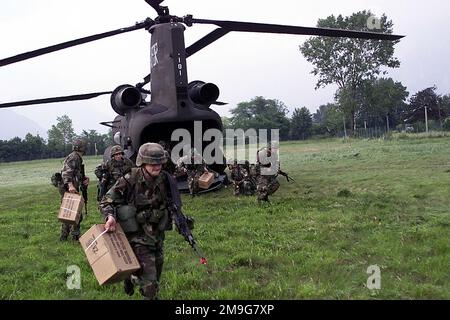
(84, 189)
(103, 184)
(284, 174)
(184, 224)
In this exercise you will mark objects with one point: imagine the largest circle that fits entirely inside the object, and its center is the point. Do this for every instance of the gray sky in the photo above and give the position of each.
(243, 65)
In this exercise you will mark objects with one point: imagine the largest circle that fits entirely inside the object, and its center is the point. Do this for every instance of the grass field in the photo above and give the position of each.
(352, 205)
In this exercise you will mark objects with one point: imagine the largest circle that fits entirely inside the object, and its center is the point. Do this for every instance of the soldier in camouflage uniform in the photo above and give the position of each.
(72, 179)
(266, 172)
(169, 166)
(237, 176)
(194, 165)
(249, 182)
(108, 173)
(139, 202)
(243, 182)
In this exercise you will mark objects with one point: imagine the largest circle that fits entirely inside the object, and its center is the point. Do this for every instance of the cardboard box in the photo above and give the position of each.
(71, 207)
(109, 254)
(206, 180)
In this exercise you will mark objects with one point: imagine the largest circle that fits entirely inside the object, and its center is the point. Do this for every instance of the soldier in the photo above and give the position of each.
(139, 202)
(108, 173)
(72, 175)
(169, 166)
(194, 165)
(243, 182)
(267, 170)
(249, 183)
(237, 176)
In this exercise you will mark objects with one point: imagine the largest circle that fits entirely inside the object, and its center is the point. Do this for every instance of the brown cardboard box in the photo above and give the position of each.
(206, 180)
(109, 254)
(71, 208)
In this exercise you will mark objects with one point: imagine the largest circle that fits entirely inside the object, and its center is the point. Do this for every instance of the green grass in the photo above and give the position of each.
(352, 205)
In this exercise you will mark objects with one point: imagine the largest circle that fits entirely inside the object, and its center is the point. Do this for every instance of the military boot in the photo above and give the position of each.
(65, 229)
(128, 286)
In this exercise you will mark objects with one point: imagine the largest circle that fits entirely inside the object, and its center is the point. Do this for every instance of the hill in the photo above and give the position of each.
(15, 125)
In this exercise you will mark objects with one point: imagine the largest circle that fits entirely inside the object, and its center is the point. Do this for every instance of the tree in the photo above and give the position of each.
(424, 98)
(383, 102)
(328, 119)
(334, 119)
(226, 122)
(61, 135)
(261, 113)
(301, 124)
(348, 62)
(444, 103)
(97, 143)
(319, 115)
(34, 147)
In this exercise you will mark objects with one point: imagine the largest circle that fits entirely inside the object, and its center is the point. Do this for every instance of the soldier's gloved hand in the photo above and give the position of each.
(86, 181)
(110, 224)
(72, 188)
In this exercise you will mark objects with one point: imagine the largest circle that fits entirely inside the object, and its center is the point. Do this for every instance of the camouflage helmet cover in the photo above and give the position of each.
(80, 145)
(151, 153)
(116, 150)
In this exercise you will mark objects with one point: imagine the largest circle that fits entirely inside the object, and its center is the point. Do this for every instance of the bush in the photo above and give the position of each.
(446, 124)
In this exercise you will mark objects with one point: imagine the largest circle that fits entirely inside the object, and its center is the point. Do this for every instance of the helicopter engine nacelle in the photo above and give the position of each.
(203, 93)
(124, 98)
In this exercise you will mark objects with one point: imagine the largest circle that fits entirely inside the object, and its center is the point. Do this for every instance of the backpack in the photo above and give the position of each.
(56, 179)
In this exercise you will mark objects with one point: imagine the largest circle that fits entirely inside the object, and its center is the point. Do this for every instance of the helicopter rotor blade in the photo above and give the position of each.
(155, 5)
(219, 103)
(206, 40)
(76, 97)
(285, 29)
(193, 48)
(35, 53)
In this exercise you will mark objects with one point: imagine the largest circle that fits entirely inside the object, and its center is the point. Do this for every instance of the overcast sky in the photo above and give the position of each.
(243, 65)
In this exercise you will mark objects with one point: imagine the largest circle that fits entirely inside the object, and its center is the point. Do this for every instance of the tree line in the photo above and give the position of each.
(364, 98)
(58, 144)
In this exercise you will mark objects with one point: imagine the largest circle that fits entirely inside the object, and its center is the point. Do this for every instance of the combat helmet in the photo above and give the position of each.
(116, 150)
(80, 145)
(151, 153)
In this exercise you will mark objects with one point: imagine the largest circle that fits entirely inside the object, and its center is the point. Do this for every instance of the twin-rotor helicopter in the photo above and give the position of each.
(175, 103)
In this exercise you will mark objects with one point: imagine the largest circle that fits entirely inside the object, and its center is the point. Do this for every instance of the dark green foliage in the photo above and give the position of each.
(59, 144)
(446, 124)
(382, 98)
(60, 136)
(349, 62)
(97, 143)
(261, 113)
(425, 98)
(301, 124)
(16, 149)
(328, 119)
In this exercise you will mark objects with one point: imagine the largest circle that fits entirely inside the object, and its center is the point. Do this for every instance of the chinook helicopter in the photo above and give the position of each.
(175, 103)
